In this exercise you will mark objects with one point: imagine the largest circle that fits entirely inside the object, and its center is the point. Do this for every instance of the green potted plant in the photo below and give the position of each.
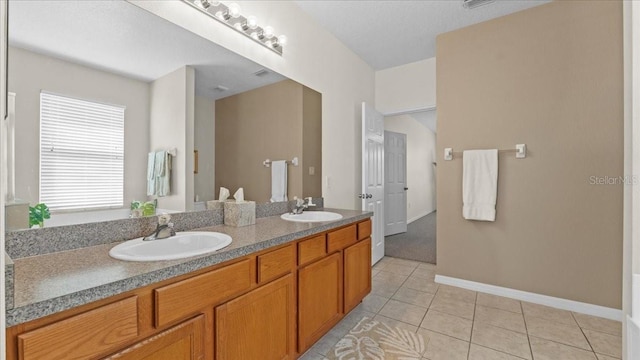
(37, 215)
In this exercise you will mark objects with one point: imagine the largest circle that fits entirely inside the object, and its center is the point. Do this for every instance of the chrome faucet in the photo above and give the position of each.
(164, 229)
(301, 205)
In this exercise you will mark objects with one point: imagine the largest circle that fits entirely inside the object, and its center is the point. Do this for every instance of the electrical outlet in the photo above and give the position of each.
(327, 181)
(312, 170)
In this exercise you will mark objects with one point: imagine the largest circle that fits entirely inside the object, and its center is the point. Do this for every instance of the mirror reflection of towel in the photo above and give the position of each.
(151, 174)
(278, 180)
(159, 173)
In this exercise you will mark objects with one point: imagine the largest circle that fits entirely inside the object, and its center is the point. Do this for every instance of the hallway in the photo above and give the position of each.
(418, 243)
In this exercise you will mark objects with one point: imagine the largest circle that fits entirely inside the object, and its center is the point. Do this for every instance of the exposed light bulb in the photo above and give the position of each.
(252, 22)
(234, 10)
(269, 43)
(268, 32)
(254, 35)
(238, 26)
(202, 4)
(282, 40)
(222, 15)
(214, 3)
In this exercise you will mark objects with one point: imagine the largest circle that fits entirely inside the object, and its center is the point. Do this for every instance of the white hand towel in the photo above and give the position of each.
(479, 184)
(278, 180)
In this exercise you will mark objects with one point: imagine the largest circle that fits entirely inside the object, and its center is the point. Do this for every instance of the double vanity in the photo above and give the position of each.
(270, 292)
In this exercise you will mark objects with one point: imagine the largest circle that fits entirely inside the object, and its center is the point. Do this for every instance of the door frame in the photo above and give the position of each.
(4, 58)
(631, 222)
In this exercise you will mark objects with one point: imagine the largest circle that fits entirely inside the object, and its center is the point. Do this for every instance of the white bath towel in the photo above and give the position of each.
(479, 184)
(278, 180)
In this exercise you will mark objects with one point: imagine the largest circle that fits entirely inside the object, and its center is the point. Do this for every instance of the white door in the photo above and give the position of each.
(395, 183)
(373, 176)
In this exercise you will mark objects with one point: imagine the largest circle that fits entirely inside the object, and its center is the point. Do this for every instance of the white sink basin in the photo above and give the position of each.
(312, 216)
(182, 245)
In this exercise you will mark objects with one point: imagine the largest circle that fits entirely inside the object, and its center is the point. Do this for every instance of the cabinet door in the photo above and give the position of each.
(319, 299)
(357, 273)
(259, 324)
(181, 342)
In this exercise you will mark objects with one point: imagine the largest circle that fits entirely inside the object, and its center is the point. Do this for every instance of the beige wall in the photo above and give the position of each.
(204, 138)
(30, 73)
(312, 57)
(550, 77)
(406, 87)
(311, 143)
(266, 123)
(171, 126)
(421, 181)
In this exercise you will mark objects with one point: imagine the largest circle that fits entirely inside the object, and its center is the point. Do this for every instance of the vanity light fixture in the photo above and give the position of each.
(472, 4)
(231, 16)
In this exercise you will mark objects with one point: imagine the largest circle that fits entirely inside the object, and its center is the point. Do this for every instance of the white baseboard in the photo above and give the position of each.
(423, 214)
(564, 304)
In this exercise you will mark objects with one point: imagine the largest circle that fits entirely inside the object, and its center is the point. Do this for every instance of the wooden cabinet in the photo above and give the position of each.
(83, 336)
(340, 239)
(181, 342)
(312, 249)
(259, 324)
(276, 263)
(319, 299)
(181, 299)
(357, 273)
(270, 305)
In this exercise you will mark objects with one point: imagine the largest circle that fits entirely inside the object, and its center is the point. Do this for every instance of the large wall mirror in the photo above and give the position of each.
(176, 91)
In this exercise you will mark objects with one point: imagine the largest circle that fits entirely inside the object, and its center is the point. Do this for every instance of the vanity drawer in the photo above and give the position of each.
(177, 301)
(342, 238)
(83, 336)
(275, 263)
(312, 249)
(364, 229)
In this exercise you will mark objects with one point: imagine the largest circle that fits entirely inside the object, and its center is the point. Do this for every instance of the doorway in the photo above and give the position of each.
(416, 239)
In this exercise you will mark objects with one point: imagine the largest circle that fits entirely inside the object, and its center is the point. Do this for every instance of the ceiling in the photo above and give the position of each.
(122, 38)
(394, 32)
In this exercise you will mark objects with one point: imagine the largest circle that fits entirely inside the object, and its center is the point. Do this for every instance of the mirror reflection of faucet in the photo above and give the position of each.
(301, 205)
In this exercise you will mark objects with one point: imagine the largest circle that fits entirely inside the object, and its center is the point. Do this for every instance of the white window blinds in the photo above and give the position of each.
(81, 153)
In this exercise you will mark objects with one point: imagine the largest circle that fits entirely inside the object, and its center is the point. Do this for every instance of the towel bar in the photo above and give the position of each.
(520, 151)
(294, 162)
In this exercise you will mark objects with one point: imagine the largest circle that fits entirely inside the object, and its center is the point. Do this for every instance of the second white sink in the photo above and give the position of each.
(182, 245)
(312, 216)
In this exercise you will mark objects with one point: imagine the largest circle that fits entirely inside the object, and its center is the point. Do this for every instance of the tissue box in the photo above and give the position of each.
(239, 213)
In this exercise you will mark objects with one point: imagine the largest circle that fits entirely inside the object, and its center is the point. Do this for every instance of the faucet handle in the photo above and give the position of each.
(164, 219)
(299, 202)
(310, 201)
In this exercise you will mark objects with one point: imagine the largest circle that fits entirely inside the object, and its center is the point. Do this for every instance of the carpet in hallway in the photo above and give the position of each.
(418, 243)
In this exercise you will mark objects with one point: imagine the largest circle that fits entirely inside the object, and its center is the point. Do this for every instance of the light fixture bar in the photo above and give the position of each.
(248, 26)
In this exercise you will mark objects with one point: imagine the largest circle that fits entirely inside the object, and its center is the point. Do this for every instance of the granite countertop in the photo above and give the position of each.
(51, 283)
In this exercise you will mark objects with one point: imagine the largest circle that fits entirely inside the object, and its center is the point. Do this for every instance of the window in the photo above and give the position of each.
(81, 153)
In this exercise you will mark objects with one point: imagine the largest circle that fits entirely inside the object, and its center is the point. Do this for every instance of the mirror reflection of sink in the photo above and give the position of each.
(182, 245)
(312, 216)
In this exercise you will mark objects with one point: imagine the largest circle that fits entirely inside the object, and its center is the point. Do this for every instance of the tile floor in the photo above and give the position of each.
(464, 324)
